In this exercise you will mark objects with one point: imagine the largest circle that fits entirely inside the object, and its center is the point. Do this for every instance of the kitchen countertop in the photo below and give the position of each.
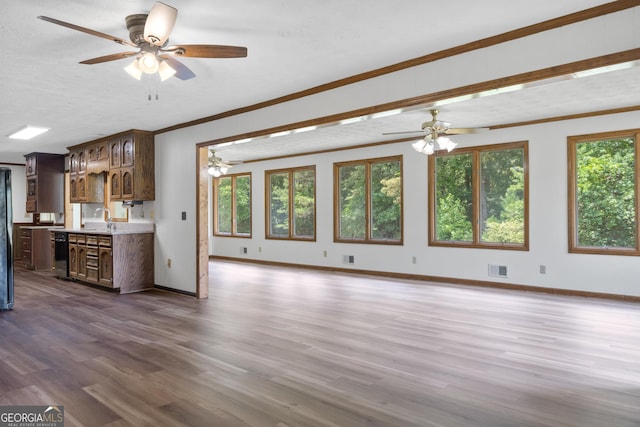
(103, 231)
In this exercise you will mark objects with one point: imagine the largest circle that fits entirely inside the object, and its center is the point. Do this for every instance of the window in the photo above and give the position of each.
(368, 201)
(603, 193)
(232, 201)
(478, 197)
(291, 198)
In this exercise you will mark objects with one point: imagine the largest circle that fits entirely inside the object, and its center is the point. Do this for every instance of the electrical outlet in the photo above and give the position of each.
(324, 253)
(169, 262)
(543, 269)
(414, 260)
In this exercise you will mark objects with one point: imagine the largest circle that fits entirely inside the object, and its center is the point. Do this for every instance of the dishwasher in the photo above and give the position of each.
(61, 254)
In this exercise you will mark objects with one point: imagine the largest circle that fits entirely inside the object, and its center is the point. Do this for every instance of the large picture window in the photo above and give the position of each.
(603, 193)
(232, 202)
(368, 201)
(478, 197)
(291, 203)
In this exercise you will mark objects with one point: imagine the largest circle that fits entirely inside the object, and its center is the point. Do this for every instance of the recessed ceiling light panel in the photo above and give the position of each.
(28, 132)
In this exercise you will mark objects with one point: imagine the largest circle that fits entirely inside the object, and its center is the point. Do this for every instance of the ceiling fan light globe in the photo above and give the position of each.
(428, 148)
(451, 145)
(165, 70)
(443, 141)
(159, 24)
(418, 145)
(134, 70)
(148, 63)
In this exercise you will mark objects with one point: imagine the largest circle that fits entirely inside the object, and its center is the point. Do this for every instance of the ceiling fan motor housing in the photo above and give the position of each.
(135, 26)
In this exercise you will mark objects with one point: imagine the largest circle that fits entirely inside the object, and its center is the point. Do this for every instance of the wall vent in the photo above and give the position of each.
(498, 270)
(348, 259)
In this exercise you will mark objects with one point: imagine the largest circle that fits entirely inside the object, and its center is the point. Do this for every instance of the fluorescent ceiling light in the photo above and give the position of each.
(386, 113)
(500, 90)
(352, 120)
(453, 100)
(283, 133)
(307, 129)
(607, 69)
(28, 132)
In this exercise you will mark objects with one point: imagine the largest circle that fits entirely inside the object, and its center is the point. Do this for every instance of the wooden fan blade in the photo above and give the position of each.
(182, 72)
(455, 131)
(207, 51)
(407, 131)
(106, 58)
(88, 31)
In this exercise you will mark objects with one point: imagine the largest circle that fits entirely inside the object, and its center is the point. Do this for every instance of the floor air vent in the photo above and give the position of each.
(498, 270)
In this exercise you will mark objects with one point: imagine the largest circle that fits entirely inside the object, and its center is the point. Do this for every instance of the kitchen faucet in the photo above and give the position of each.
(109, 220)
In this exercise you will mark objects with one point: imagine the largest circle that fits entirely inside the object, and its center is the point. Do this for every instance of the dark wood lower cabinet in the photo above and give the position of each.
(105, 257)
(35, 247)
(123, 262)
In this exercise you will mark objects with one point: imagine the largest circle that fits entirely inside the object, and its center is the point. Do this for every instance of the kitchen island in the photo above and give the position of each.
(119, 260)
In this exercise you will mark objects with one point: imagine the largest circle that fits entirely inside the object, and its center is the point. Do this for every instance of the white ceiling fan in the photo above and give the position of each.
(150, 35)
(434, 131)
(218, 167)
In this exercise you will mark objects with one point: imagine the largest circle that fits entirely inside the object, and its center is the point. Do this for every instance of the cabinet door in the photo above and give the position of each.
(81, 187)
(115, 184)
(126, 176)
(114, 153)
(82, 161)
(105, 261)
(32, 188)
(73, 187)
(127, 151)
(82, 262)
(92, 153)
(73, 260)
(102, 149)
(31, 166)
(73, 162)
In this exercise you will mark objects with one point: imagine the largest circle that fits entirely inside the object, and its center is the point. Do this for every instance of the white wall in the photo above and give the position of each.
(176, 178)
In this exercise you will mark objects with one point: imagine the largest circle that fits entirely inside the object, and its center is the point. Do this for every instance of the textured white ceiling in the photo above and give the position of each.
(292, 45)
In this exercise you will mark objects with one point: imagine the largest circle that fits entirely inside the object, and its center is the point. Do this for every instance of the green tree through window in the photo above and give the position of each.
(368, 197)
(478, 197)
(604, 194)
(232, 205)
(291, 194)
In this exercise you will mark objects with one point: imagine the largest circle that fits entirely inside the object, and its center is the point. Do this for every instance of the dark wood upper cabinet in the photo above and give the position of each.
(121, 164)
(45, 182)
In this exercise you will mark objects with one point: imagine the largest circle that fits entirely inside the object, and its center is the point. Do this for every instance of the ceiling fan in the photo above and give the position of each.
(150, 35)
(218, 167)
(434, 130)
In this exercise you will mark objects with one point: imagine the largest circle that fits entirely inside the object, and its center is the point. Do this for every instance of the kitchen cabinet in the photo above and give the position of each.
(122, 262)
(45, 182)
(97, 155)
(131, 167)
(85, 185)
(123, 163)
(73, 255)
(35, 245)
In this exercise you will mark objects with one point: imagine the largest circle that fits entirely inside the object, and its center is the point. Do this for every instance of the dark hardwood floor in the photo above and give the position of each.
(284, 347)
